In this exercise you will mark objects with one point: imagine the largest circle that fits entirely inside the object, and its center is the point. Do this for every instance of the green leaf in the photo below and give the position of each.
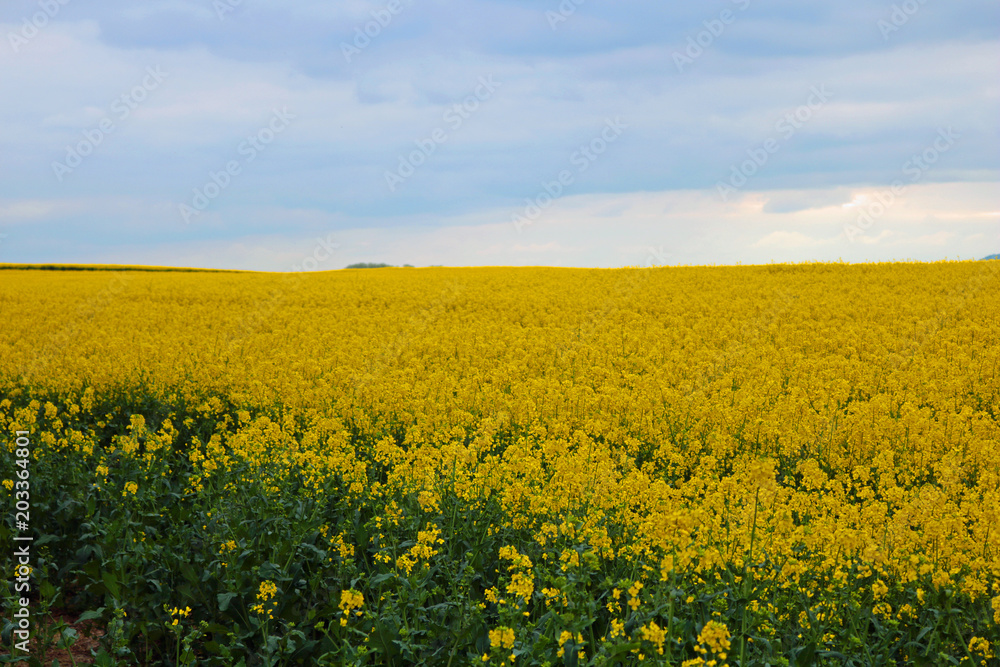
(381, 578)
(224, 600)
(92, 568)
(111, 583)
(806, 656)
(67, 637)
(45, 539)
(48, 590)
(189, 572)
(833, 654)
(91, 615)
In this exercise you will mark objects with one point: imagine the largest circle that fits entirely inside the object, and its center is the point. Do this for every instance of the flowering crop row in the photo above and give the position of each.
(784, 464)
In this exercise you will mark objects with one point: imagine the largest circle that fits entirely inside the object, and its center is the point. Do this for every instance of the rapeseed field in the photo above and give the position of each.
(760, 465)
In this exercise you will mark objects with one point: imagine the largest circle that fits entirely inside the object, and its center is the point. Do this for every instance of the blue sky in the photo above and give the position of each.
(271, 135)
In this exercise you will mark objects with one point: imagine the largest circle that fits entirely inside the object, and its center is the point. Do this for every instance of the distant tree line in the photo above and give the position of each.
(374, 265)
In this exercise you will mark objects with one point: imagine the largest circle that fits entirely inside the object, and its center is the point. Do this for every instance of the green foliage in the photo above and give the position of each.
(137, 563)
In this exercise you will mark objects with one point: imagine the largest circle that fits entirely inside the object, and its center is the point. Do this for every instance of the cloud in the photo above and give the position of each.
(875, 240)
(355, 121)
(937, 239)
(26, 210)
(805, 200)
(786, 239)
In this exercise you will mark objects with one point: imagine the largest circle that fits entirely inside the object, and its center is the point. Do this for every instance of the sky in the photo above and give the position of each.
(279, 136)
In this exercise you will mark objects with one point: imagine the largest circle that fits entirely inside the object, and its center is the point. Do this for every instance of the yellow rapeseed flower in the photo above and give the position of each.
(502, 637)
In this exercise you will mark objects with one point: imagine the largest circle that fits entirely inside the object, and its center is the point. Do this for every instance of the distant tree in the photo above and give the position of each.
(368, 265)
(996, 256)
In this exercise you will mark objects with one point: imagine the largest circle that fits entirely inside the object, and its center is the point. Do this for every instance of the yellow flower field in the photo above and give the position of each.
(782, 464)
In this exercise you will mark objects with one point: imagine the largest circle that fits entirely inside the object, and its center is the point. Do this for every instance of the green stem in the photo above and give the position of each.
(746, 580)
(670, 619)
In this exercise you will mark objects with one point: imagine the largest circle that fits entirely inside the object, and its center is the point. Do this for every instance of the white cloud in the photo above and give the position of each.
(607, 230)
(937, 239)
(875, 240)
(786, 239)
(26, 210)
(352, 122)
